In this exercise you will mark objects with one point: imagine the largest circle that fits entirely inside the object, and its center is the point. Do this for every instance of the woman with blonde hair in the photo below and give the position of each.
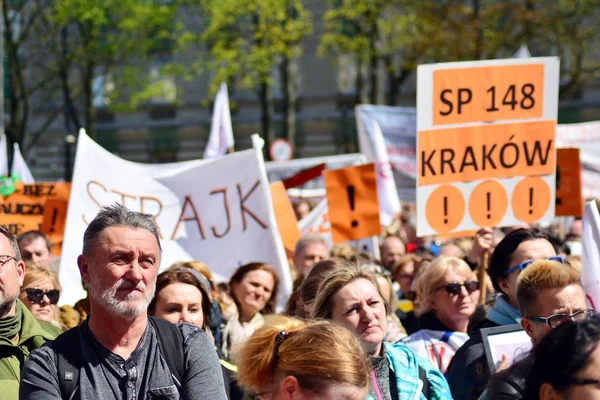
(351, 297)
(448, 291)
(292, 359)
(40, 292)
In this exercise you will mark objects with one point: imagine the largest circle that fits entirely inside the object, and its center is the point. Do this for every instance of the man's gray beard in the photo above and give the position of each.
(6, 303)
(107, 297)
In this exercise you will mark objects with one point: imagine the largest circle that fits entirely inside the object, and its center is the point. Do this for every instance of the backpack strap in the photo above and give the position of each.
(67, 350)
(170, 342)
(423, 377)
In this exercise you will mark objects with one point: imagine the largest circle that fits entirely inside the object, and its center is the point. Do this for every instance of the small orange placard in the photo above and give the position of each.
(39, 206)
(569, 201)
(484, 152)
(486, 94)
(352, 202)
(287, 225)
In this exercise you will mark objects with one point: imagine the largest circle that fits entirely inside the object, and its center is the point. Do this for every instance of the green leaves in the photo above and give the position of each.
(246, 39)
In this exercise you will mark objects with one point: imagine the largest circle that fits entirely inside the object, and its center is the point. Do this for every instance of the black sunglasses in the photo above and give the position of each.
(36, 295)
(454, 288)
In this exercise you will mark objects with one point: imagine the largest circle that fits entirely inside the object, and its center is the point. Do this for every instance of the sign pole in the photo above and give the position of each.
(481, 276)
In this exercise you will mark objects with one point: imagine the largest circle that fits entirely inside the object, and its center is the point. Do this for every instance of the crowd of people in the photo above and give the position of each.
(407, 325)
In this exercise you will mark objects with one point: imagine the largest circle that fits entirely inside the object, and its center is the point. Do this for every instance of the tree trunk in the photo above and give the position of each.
(265, 97)
(88, 99)
(373, 75)
(289, 83)
(19, 106)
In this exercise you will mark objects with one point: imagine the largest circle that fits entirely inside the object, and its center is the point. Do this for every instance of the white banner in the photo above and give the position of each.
(590, 273)
(216, 211)
(221, 131)
(394, 129)
(317, 222)
(19, 166)
(585, 137)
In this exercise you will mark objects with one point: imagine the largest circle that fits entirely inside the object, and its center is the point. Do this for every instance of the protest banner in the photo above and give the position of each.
(486, 143)
(217, 211)
(317, 222)
(39, 206)
(590, 257)
(568, 183)
(586, 137)
(287, 225)
(282, 170)
(386, 135)
(353, 204)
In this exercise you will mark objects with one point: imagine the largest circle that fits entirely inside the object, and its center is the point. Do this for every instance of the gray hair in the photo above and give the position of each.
(309, 239)
(14, 245)
(118, 215)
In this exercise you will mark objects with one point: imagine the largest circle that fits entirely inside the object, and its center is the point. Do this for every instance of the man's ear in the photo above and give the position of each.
(527, 326)
(503, 283)
(547, 392)
(290, 388)
(21, 271)
(84, 268)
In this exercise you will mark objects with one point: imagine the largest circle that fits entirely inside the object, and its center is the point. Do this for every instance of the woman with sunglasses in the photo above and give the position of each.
(352, 297)
(40, 293)
(448, 292)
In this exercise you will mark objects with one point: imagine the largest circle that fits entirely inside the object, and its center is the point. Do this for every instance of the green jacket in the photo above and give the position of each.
(33, 334)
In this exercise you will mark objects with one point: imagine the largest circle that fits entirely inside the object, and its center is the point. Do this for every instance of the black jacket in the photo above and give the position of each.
(468, 373)
(509, 384)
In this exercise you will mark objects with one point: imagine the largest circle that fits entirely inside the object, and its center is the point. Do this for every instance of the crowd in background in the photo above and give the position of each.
(404, 326)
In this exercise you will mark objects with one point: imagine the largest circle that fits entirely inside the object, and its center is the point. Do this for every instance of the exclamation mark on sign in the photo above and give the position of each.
(54, 215)
(350, 190)
(445, 209)
(489, 204)
(531, 200)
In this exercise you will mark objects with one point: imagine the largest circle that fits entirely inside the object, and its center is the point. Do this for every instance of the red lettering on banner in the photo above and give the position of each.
(227, 212)
(246, 210)
(195, 217)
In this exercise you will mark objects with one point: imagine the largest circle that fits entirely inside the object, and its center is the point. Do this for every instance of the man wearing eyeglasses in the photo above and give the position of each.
(549, 294)
(468, 373)
(20, 332)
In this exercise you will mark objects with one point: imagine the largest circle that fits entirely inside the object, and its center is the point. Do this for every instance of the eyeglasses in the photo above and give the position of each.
(584, 381)
(36, 295)
(454, 288)
(4, 259)
(527, 263)
(557, 319)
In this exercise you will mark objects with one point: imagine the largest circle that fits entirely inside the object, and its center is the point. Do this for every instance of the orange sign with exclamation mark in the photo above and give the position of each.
(353, 203)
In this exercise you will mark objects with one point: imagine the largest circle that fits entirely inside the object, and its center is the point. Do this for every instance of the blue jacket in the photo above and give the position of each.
(405, 365)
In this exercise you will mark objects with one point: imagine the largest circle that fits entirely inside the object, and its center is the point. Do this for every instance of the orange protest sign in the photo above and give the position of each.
(287, 225)
(485, 94)
(486, 151)
(26, 210)
(569, 200)
(353, 204)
